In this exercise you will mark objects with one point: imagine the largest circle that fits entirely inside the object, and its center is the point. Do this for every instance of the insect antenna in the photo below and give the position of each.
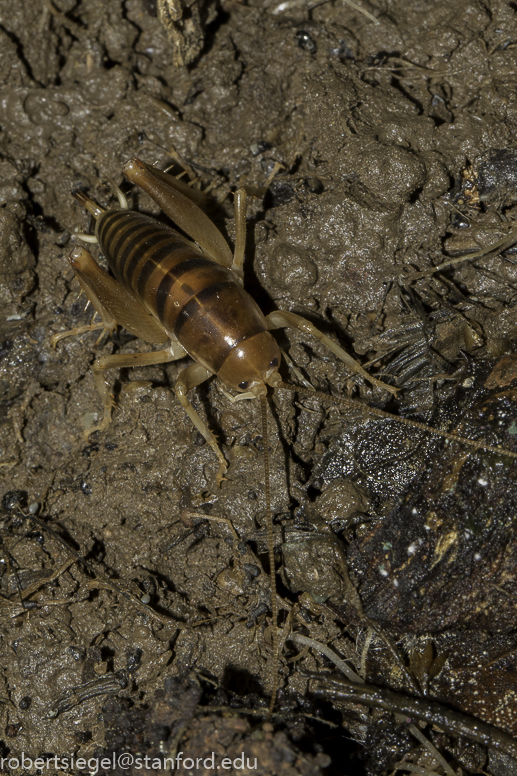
(271, 552)
(368, 410)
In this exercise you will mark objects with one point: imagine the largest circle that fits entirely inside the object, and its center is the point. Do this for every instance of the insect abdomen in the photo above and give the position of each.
(197, 301)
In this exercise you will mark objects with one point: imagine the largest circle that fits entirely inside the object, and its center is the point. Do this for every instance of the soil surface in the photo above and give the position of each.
(135, 594)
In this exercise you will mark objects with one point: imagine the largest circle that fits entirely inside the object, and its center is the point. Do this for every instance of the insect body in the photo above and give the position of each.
(190, 294)
(198, 302)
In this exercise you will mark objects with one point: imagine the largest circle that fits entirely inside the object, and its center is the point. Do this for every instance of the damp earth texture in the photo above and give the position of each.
(135, 601)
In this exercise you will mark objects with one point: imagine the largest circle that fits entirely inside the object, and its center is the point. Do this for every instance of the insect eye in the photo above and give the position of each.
(274, 363)
(243, 385)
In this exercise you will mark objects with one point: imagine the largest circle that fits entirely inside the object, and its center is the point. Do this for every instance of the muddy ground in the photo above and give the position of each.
(131, 620)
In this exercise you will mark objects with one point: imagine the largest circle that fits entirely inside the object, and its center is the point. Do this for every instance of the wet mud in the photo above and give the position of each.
(133, 619)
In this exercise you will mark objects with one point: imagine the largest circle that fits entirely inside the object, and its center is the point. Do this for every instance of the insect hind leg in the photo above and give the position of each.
(84, 265)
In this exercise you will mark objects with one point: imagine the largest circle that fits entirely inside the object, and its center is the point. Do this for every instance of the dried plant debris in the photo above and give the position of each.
(492, 180)
(185, 22)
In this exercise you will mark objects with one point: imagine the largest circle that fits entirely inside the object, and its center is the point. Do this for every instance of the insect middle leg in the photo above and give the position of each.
(119, 361)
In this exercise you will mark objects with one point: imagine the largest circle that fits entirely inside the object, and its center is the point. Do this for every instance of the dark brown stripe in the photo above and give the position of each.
(159, 255)
(111, 237)
(120, 225)
(173, 276)
(196, 304)
(123, 247)
(217, 320)
(142, 246)
(143, 276)
(104, 225)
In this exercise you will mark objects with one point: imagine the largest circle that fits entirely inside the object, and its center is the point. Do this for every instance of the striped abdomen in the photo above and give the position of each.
(197, 301)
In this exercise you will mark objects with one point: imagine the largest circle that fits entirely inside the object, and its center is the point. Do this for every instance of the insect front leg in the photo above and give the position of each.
(191, 377)
(280, 319)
